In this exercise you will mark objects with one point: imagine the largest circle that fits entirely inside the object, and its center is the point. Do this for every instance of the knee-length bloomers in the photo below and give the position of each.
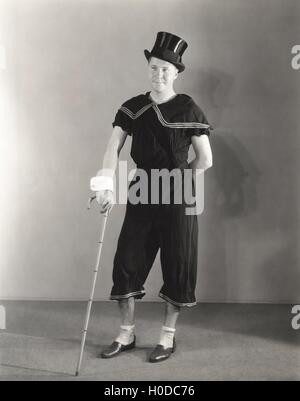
(161, 137)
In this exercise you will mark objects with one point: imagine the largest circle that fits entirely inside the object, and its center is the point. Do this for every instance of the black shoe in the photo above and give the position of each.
(160, 353)
(116, 348)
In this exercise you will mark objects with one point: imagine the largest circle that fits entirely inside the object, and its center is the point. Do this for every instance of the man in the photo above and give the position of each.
(163, 125)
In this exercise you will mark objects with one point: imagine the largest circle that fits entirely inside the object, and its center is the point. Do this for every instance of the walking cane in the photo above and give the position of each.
(90, 301)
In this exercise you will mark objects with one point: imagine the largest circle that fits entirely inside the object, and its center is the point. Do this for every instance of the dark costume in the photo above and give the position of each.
(161, 137)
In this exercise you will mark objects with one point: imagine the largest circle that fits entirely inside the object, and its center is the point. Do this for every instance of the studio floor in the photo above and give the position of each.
(214, 342)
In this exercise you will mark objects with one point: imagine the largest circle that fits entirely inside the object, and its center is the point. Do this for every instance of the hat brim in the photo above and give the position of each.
(179, 66)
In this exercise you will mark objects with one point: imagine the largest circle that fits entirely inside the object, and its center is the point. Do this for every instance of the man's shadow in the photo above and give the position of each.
(230, 193)
(230, 196)
(235, 177)
(234, 173)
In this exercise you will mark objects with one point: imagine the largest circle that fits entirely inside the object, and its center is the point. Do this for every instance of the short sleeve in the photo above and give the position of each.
(123, 120)
(196, 115)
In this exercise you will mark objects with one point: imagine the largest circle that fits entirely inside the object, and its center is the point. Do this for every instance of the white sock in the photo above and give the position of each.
(126, 335)
(167, 336)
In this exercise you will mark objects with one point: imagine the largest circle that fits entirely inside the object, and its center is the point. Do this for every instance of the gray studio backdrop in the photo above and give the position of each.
(69, 66)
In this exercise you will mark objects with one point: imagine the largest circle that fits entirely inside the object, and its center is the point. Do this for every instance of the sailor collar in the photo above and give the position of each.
(138, 105)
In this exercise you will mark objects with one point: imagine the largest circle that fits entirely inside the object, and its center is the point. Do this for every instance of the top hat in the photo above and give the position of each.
(168, 47)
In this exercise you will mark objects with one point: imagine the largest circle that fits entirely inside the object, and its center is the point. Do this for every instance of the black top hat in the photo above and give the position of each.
(168, 47)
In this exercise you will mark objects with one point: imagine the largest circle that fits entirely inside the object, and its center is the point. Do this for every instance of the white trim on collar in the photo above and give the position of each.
(161, 119)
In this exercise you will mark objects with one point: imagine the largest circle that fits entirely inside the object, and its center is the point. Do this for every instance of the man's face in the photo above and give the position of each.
(161, 74)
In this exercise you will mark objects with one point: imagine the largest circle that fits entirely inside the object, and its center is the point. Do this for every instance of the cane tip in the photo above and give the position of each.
(77, 373)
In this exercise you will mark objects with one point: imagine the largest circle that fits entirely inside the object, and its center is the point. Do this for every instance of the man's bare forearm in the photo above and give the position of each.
(110, 162)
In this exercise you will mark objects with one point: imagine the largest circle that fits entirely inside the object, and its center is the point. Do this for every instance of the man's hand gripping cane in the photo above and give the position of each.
(104, 188)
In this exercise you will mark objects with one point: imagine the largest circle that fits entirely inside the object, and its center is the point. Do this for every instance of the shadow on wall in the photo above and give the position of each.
(234, 171)
(236, 177)
(236, 267)
(230, 195)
